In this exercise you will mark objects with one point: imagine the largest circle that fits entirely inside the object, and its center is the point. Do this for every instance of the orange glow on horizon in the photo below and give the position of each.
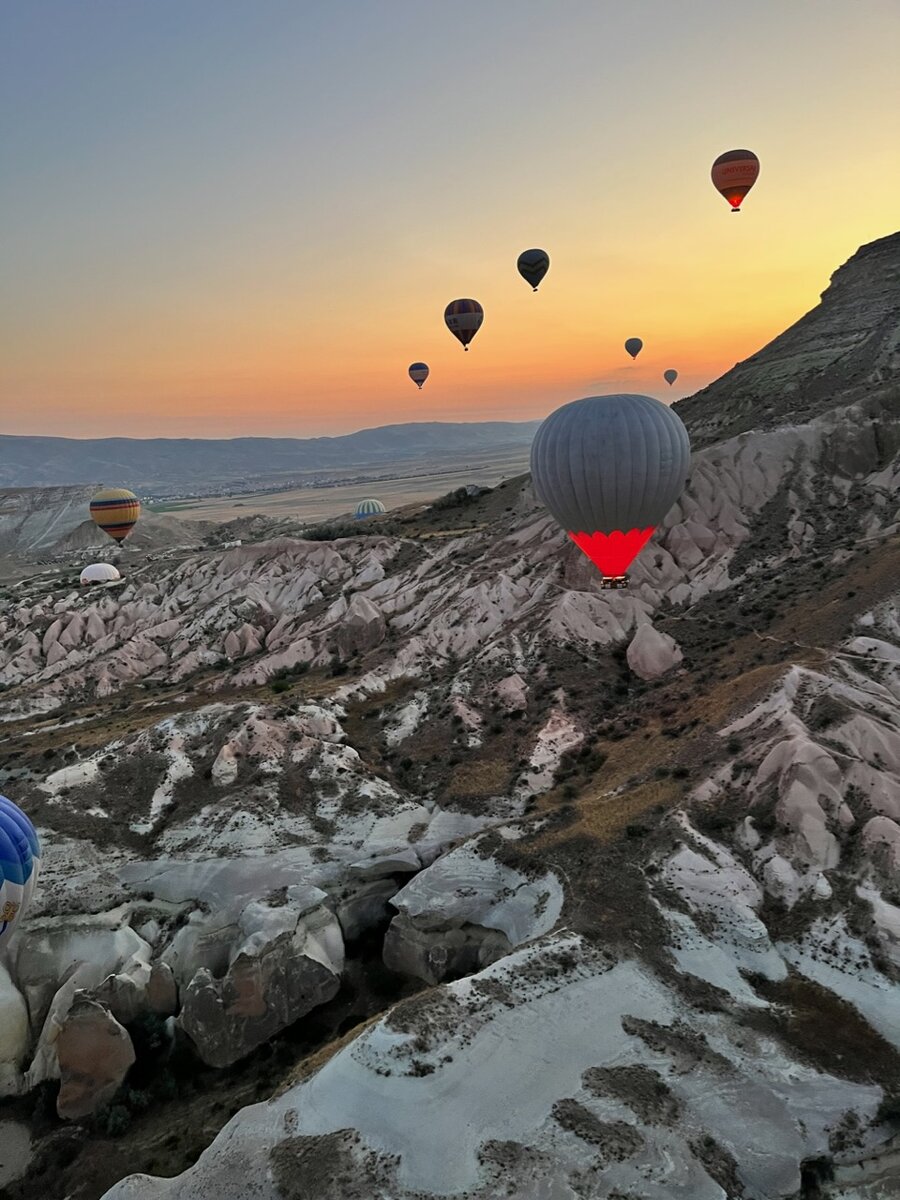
(250, 269)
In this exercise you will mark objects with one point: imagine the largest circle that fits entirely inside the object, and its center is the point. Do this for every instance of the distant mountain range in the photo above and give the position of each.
(178, 465)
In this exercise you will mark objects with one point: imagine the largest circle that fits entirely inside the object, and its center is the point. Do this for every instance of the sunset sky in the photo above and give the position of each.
(224, 218)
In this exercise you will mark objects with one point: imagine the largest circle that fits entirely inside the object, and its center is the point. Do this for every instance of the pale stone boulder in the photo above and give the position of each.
(13, 1033)
(651, 654)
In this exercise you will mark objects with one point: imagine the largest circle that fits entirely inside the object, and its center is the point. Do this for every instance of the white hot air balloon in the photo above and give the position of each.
(99, 573)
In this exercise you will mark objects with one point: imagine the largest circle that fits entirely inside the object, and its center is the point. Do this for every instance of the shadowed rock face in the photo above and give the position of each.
(94, 1054)
(848, 347)
(273, 980)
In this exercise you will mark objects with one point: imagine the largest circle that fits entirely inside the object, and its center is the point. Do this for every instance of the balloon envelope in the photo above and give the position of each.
(670, 376)
(609, 468)
(99, 573)
(20, 857)
(369, 508)
(533, 265)
(116, 511)
(634, 346)
(463, 318)
(734, 174)
(418, 373)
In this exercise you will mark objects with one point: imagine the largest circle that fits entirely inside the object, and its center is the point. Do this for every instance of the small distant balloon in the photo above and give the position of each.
(634, 346)
(734, 174)
(670, 376)
(20, 858)
(418, 373)
(533, 265)
(369, 508)
(116, 511)
(463, 318)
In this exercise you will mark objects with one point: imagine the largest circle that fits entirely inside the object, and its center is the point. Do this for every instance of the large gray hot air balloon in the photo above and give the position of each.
(609, 468)
(634, 346)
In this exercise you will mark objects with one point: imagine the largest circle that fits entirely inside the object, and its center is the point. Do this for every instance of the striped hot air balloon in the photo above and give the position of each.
(609, 468)
(463, 318)
(369, 508)
(418, 373)
(116, 511)
(734, 174)
(20, 858)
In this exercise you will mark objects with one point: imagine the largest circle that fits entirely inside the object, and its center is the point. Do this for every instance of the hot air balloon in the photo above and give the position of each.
(609, 468)
(418, 373)
(116, 511)
(634, 346)
(670, 376)
(369, 508)
(734, 174)
(463, 319)
(99, 573)
(20, 857)
(533, 266)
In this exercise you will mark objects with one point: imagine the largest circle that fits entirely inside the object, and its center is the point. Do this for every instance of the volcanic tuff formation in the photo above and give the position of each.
(847, 348)
(636, 854)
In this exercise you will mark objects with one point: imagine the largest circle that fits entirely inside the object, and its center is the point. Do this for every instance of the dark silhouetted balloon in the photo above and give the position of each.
(418, 373)
(533, 266)
(463, 319)
(634, 346)
(670, 376)
(609, 468)
(734, 174)
(116, 511)
(20, 859)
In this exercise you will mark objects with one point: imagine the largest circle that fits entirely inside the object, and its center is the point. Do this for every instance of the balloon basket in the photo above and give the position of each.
(609, 582)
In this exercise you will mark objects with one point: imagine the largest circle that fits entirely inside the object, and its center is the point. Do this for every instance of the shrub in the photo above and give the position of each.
(115, 1120)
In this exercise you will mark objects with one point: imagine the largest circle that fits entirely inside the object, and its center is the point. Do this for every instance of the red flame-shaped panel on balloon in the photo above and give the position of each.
(612, 552)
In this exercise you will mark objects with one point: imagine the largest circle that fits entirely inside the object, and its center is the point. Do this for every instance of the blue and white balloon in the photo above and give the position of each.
(20, 857)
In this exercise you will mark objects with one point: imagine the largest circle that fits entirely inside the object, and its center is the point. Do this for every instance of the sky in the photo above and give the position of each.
(223, 218)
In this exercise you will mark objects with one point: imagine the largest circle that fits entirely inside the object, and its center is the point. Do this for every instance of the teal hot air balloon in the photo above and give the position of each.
(670, 376)
(369, 508)
(533, 265)
(20, 858)
(609, 468)
(634, 346)
(418, 373)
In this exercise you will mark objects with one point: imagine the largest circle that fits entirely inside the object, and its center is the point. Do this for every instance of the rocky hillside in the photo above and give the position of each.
(847, 347)
(167, 466)
(432, 869)
(54, 524)
(35, 519)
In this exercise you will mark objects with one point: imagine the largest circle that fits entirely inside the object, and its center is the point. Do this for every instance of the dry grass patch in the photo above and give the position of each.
(485, 777)
(315, 1062)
